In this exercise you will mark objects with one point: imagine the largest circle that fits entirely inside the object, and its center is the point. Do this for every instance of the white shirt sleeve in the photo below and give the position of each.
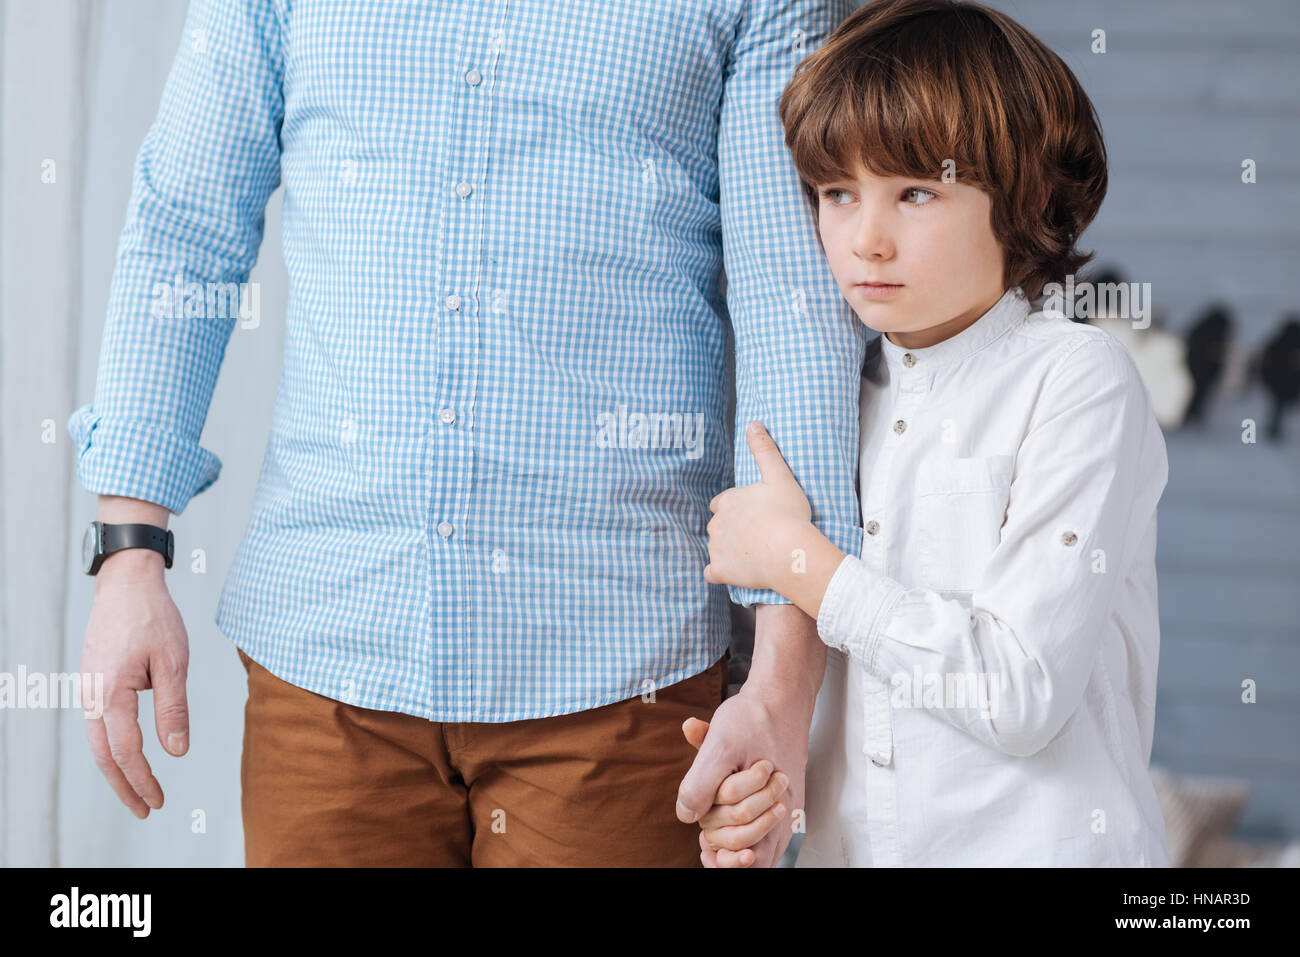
(1089, 472)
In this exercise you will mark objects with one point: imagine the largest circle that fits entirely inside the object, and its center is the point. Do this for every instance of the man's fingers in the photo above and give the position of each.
(126, 745)
(171, 715)
(97, 734)
(772, 466)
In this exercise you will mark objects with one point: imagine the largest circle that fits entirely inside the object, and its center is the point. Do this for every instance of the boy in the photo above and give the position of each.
(990, 681)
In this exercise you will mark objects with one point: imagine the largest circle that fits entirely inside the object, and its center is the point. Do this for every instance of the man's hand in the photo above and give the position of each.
(137, 640)
(746, 808)
(768, 718)
(744, 730)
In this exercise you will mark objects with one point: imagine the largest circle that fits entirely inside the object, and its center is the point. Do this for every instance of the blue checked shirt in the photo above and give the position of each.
(504, 406)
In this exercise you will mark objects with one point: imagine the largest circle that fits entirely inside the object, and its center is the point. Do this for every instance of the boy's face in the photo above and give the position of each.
(930, 242)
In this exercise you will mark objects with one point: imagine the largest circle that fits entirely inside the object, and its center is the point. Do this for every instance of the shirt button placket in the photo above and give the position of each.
(466, 238)
(882, 795)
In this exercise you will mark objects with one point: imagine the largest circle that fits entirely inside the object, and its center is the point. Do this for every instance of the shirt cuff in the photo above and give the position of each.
(847, 538)
(139, 460)
(855, 605)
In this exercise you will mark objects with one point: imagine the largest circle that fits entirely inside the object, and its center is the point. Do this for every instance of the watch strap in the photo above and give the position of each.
(118, 537)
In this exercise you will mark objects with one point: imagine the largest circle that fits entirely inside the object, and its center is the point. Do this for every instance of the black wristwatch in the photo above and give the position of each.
(102, 540)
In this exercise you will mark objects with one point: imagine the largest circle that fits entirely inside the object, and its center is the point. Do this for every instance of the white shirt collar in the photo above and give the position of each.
(1003, 316)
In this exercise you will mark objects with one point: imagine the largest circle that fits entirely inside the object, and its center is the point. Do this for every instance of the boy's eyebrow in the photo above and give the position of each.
(901, 178)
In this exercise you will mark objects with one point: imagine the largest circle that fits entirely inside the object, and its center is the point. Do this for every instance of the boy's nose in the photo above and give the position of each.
(871, 240)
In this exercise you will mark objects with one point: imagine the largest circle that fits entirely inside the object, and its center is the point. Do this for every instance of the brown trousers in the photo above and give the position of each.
(326, 784)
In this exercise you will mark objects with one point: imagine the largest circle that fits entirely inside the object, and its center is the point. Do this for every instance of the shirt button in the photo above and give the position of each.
(909, 360)
(473, 77)
(445, 529)
(1069, 538)
(900, 426)
(872, 527)
(876, 763)
(463, 189)
(448, 415)
(453, 302)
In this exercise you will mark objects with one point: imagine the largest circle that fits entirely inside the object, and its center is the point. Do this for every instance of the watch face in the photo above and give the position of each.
(88, 543)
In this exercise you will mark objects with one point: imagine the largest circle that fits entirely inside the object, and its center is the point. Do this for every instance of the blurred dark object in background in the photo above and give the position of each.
(1104, 276)
(742, 647)
(1159, 355)
(1279, 370)
(1208, 343)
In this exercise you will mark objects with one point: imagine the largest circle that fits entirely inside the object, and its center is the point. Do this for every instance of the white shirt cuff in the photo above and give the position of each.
(853, 607)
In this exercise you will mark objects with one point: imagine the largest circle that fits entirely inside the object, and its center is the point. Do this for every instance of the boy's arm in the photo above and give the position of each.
(1082, 482)
(798, 346)
(201, 181)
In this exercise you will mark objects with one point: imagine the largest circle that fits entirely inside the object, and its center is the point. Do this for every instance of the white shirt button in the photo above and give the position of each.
(1069, 538)
(447, 415)
(909, 360)
(900, 426)
(463, 189)
(445, 529)
(454, 302)
(473, 77)
(872, 527)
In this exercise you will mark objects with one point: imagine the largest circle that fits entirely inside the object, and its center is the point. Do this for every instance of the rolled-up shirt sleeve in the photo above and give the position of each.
(202, 177)
(798, 346)
(1088, 476)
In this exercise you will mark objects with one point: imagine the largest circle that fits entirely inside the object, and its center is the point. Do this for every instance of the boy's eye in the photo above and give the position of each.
(913, 195)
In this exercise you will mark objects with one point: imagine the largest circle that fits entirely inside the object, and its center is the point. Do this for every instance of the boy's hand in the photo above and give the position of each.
(747, 808)
(752, 527)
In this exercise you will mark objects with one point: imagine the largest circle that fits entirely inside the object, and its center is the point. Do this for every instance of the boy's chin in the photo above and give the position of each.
(878, 320)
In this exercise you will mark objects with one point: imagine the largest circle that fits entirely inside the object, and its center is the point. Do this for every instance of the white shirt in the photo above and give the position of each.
(1009, 478)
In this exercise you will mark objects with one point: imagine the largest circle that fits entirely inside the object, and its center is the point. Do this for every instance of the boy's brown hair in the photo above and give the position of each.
(903, 85)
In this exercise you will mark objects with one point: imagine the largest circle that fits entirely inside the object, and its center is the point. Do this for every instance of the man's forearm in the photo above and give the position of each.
(789, 658)
(120, 510)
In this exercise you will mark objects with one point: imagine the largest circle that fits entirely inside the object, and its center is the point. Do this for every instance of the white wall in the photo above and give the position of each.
(133, 49)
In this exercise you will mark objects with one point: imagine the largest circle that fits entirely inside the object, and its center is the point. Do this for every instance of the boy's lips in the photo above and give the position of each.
(878, 290)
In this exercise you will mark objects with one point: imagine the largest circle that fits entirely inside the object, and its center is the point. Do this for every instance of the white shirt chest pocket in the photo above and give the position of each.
(960, 507)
